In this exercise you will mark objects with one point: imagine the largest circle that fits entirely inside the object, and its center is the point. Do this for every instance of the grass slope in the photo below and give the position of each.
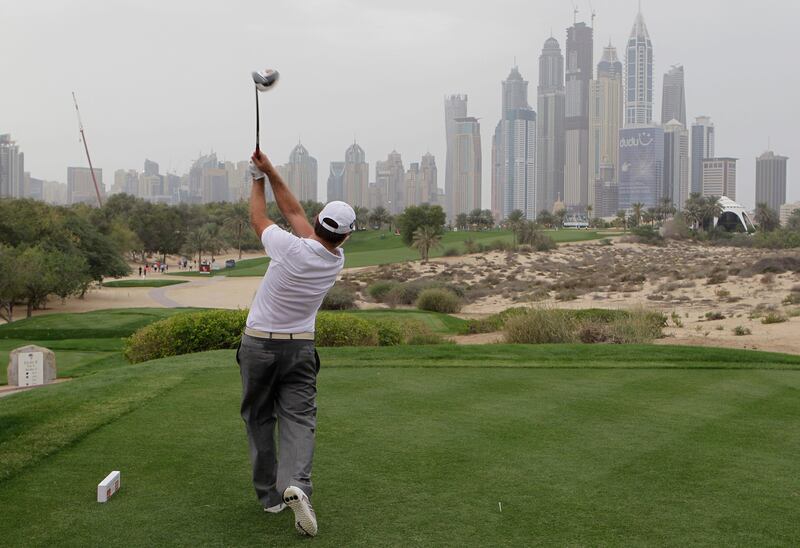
(374, 247)
(582, 445)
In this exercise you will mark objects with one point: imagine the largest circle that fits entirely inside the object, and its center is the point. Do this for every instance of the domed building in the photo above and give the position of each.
(733, 218)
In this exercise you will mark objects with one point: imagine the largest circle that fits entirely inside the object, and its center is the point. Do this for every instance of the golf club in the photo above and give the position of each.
(264, 80)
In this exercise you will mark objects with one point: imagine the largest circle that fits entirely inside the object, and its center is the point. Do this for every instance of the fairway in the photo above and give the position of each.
(421, 446)
(374, 247)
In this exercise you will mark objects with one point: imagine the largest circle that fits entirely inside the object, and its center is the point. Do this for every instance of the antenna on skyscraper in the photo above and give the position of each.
(594, 13)
(574, 13)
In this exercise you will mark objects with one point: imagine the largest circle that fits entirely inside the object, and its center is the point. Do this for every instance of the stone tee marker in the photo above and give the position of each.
(31, 366)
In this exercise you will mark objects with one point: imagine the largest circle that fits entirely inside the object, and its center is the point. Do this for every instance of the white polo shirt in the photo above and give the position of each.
(300, 273)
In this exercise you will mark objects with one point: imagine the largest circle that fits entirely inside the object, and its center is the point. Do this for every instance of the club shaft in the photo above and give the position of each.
(258, 123)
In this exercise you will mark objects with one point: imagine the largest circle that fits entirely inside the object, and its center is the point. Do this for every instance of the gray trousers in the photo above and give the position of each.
(279, 387)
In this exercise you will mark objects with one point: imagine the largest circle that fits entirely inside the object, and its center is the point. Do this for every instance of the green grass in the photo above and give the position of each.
(671, 451)
(583, 445)
(373, 247)
(143, 283)
(443, 324)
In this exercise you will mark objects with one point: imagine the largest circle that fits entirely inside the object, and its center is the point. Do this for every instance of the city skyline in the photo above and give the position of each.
(123, 127)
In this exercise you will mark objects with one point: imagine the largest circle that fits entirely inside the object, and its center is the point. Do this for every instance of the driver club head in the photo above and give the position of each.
(265, 79)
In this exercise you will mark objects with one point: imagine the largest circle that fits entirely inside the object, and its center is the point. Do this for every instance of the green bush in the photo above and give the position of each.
(339, 298)
(426, 337)
(407, 293)
(439, 300)
(647, 235)
(186, 333)
(741, 331)
(390, 332)
(379, 289)
(345, 330)
(495, 322)
(452, 252)
(540, 326)
(773, 317)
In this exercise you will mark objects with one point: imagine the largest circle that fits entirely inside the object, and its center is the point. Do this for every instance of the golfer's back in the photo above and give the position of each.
(300, 273)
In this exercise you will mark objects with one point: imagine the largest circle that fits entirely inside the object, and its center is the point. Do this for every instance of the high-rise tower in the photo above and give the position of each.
(580, 65)
(550, 126)
(301, 173)
(676, 163)
(639, 75)
(355, 183)
(673, 100)
(771, 180)
(702, 148)
(464, 194)
(455, 107)
(605, 120)
(514, 152)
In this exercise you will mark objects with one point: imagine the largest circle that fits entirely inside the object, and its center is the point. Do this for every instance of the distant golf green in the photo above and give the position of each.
(497, 445)
(143, 283)
(373, 247)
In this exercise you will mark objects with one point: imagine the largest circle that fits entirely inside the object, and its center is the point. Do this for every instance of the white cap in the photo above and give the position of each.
(338, 217)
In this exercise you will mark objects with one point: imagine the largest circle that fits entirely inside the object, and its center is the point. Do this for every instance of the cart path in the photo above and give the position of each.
(159, 294)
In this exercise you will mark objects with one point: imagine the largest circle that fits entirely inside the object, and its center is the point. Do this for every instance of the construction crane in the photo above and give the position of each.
(594, 13)
(86, 148)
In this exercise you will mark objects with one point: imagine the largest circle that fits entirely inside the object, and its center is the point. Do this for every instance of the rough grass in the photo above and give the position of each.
(662, 445)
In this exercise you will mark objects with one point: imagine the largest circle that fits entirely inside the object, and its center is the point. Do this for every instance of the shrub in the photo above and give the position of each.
(407, 293)
(345, 330)
(536, 326)
(773, 317)
(495, 322)
(339, 298)
(605, 241)
(716, 277)
(740, 331)
(566, 295)
(390, 332)
(379, 289)
(714, 315)
(186, 333)
(452, 252)
(439, 300)
(792, 298)
(647, 235)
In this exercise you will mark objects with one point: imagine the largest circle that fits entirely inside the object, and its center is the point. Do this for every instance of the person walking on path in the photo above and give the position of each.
(277, 358)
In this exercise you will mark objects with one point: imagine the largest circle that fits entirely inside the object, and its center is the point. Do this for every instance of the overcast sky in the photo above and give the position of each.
(167, 80)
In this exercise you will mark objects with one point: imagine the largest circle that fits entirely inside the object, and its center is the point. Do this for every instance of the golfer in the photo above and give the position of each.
(277, 358)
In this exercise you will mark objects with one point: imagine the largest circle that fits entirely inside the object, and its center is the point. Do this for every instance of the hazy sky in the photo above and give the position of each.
(167, 80)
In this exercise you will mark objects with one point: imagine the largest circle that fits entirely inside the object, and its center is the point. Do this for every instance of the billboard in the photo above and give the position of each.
(641, 160)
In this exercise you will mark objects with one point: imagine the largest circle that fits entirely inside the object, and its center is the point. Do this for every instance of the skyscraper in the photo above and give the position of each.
(514, 152)
(676, 163)
(771, 180)
(428, 189)
(641, 173)
(465, 191)
(673, 99)
(80, 186)
(390, 180)
(12, 168)
(550, 126)
(336, 182)
(639, 75)
(605, 120)
(455, 107)
(719, 177)
(580, 65)
(355, 184)
(301, 173)
(412, 180)
(702, 148)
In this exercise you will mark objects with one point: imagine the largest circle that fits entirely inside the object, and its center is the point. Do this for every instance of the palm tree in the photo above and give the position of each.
(637, 208)
(362, 216)
(766, 218)
(379, 217)
(561, 214)
(513, 221)
(712, 210)
(425, 238)
(589, 209)
(237, 222)
(214, 243)
(622, 219)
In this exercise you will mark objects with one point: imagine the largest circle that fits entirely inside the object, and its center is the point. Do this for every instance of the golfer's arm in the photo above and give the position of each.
(289, 205)
(258, 208)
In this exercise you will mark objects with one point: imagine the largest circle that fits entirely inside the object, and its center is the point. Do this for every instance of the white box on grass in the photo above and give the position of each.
(108, 486)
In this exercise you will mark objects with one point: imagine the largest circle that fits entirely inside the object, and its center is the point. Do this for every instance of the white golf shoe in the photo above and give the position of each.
(275, 509)
(305, 520)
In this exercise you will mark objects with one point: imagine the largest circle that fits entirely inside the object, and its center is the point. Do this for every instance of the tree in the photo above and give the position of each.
(561, 215)
(712, 209)
(621, 220)
(213, 241)
(766, 218)
(362, 217)
(461, 221)
(71, 274)
(545, 218)
(379, 217)
(793, 223)
(589, 209)
(37, 275)
(475, 219)
(425, 238)
(196, 243)
(102, 257)
(312, 209)
(414, 217)
(637, 210)
(514, 219)
(11, 283)
(237, 223)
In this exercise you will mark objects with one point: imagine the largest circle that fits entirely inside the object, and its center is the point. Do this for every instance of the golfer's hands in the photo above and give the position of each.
(261, 162)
